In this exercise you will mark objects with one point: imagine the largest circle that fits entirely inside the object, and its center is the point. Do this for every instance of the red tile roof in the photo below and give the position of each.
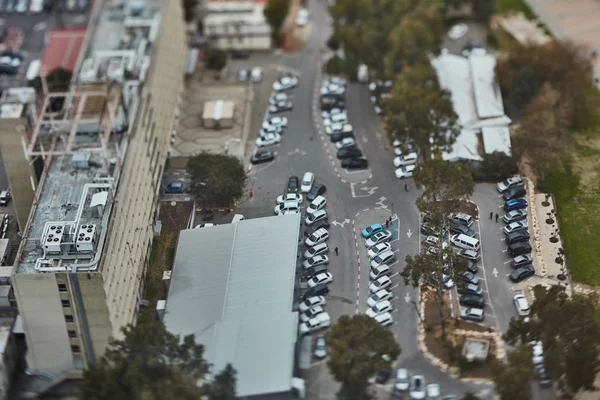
(62, 49)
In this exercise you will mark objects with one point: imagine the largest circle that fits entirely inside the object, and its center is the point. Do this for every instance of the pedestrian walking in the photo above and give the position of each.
(496, 217)
(491, 215)
(406, 187)
(336, 251)
(387, 223)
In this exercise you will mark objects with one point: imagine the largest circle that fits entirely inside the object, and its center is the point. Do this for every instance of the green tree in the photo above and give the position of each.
(358, 348)
(276, 12)
(417, 107)
(148, 364)
(189, 9)
(215, 59)
(223, 385)
(513, 378)
(569, 333)
(58, 80)
(495, 167)
(216, 180)
(445, 186)
(483, 10)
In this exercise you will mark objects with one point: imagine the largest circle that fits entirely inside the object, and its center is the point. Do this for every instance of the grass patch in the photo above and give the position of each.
(161, 259)
(505, 6)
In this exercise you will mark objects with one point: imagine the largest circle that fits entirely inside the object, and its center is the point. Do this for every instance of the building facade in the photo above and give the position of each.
(79, 272)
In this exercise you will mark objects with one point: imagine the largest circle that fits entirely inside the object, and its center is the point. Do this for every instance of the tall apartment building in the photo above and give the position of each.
(78, 275)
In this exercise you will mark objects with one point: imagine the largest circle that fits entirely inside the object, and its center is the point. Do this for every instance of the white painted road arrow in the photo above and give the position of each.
(495, 272)
(297, 151)
(407, 297)
(371, 190)
(409, 233)
(344, 222)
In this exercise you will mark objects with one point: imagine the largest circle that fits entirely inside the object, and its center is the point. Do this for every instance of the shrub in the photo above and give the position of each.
(215, 59)
(334, 66)
(495, 167)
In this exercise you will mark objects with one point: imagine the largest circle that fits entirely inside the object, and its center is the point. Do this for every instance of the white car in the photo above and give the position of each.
(315, 216)
(290, 197)
(377, 238)
(312, 302)
(337, 118)
(378, 249)
(380, 271)
(406, 171)
(385, 319)
(448, 283)
(332, 88)
(338, 127)
(508, 183)
(311, 313)
(289, 207)
(379, 296)
(417, 387)
(307, 181)
(402, 380)
(384, 258)
(515, 226)
(270, 139)
(458, 31)
(317, 250)
(205, 225)
(381, 307)
(538, 352)
(317, 204)
(275, 121)
(381, 283)
(256, 75)
(332, 112)
(302, 17)
(324, 277)
(314, 261)
(36, 6)
(522, 305)
(406, 159)
(319, 236)
(345, 142)
(269, 130)
(285, 83)
(322, 320)
(277, 97)
(433, 392)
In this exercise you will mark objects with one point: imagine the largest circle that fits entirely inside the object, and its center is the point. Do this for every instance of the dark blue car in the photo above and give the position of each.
(515, 204)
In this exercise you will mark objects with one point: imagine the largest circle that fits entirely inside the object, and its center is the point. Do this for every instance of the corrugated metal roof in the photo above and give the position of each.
(232, 286)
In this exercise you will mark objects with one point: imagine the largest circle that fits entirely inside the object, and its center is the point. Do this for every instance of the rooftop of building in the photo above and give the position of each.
(62, 49)
(477, 102)
(232, 286)
(13, 101)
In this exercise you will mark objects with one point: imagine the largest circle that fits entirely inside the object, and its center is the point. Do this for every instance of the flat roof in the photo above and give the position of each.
(62, 49)
(232, 286)
(496, 138)
(486, 91)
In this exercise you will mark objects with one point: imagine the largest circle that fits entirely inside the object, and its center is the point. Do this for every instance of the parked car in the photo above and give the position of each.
(285, 83)
(289, 197)
(469, 289)
(457, 229)
(332, 112)
(469, 277)
(379, 249)
(311, 302)
(355, 163)
(517, 236)
(381, 295)
(381, 283)
(5, 198)
(280, 106)
(377, 238)
(316, 226)
(321, 321)
(514, 193)
(275, 121)
(472, 314)
(324, 277)
(262, 156)
(378, 308)
(307, 181)
(521, 261)
(417, 387)
(317, 250)
(336, 119)
(311, 313)
(277, 97)
(402, 380)
(240, 54)
(383, 375)
(544, 379)
(384, 319)
(380, 271)
(461, 218)
(458, 31)
(319, 236)
(339, 127)
(521, 273)
(514, 215)
(317, 190)
(519, 248)
(433, 392)
(371, 230)
(314, 261)
(173, 188)
(302, 17)
(472, 300)
(314, 271)
(406, 159)
(320, 347)
(349, 152)
(270, 139)
(293, 185)
(405, 171)
(522, 305)
(336, 137)
(256, 74)
(515, 204)
(315, 216)
(508, 183)
(243, 75)
(317, 204)
(289, 207)
(319, 290)
(346, 142)
(516, 226)
(470, 255)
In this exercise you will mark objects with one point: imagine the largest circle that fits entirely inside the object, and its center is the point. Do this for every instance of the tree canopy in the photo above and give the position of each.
(513, 378)
(569, 333)
(358, 348)
(216, 180)
(189, 9)
(276, 12)
(417, 107)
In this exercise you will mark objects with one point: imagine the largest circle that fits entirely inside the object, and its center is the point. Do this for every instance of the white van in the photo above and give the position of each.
(465, 242)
